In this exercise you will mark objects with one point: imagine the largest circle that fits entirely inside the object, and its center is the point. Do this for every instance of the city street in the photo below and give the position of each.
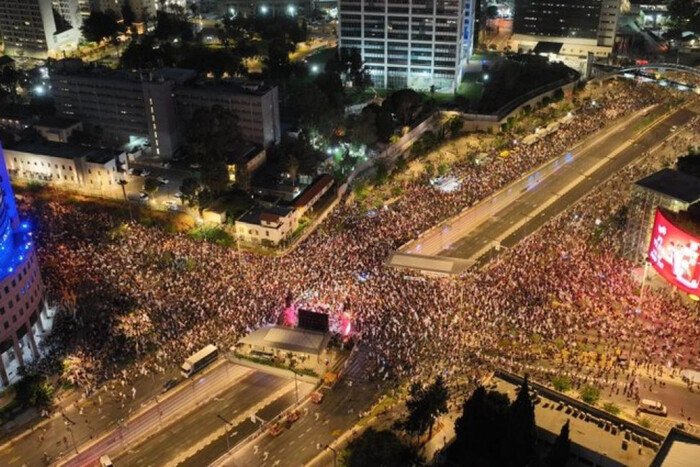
(556, 193)
(199, 439)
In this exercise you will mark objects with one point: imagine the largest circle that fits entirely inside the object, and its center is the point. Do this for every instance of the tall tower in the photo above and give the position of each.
(24, 316)
(40, 28)
(407, 43)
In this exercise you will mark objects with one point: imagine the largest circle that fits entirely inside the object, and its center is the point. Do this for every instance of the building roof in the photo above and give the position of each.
(57, 122)
(679, 449)
(546, 47)
(674, 184)
(65, 150)
(258, 214)
(320, 184)
(288, 339)
(242, 153)
(230, 86)
(431, 264)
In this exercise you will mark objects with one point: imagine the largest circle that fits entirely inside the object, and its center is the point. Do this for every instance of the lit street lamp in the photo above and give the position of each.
(291, 10)
(264, 9)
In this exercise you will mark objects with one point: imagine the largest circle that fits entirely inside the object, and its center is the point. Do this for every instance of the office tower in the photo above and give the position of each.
(408, 43)
(40, 28)
(24, 317)
(566, 27)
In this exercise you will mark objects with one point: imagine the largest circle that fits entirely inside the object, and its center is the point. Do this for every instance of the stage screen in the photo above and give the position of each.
(313, 321)
(674, 254)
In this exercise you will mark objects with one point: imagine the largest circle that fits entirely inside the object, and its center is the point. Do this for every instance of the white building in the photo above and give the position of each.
(409, 43)
(569, 28)
(267, 226)
(40, 28)
(62, 163)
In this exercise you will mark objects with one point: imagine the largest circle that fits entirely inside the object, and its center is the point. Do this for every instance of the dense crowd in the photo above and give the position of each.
(150, 298)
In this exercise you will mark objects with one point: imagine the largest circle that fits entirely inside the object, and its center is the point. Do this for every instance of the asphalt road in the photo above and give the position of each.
(318, 424)
(186, 397)
(185, 441)
(495, 231)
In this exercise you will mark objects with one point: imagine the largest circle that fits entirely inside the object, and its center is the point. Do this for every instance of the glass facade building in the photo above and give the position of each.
(24, 317)
(409, 43)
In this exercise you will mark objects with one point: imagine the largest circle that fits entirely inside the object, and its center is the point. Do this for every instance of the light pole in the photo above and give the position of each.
(335, 454)
(122, 182)
(226, 424)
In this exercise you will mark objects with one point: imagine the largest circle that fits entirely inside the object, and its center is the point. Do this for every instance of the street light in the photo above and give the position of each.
(226, 424)
(264, 9)
(314, 69)
(335, 454)
(291, 10)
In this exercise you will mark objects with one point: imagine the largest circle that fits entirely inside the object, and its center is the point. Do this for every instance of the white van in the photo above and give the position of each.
(105, 461)
(652, 407)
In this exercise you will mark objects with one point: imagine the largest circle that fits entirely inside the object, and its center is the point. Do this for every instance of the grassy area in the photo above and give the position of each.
(213, 235)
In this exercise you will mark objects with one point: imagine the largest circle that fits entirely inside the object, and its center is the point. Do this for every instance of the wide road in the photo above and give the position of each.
(188, 396)
(201, 435)
(560, 191)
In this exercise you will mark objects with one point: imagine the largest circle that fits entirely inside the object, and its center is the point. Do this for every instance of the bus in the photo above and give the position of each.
(199, 360)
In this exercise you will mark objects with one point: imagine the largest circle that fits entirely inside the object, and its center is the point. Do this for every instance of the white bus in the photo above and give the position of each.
(199, 360)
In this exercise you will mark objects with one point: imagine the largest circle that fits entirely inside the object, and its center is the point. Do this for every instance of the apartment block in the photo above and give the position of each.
(40, 28)
(409, 43)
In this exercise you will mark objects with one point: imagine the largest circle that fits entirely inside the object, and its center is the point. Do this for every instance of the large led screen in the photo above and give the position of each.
(674, 254)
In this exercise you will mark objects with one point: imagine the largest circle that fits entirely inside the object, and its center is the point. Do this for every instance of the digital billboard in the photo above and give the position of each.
(675, 255)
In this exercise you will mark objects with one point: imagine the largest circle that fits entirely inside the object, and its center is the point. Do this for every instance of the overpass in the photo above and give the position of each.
(614, 70)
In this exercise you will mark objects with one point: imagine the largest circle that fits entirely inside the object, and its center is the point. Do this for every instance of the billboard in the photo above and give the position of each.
(313, 321)
(675, 255)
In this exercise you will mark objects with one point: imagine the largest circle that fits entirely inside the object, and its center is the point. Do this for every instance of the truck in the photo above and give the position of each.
(199, 360)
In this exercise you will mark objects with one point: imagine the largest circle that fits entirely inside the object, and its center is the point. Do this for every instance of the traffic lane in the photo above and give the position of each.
(299, 443)
(244, 429)
(179, 403)
(587, 156)
(92, 419)
(543, 193)
(168, 444)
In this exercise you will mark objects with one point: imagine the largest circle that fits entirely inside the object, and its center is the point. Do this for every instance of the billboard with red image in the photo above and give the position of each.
(675, 254)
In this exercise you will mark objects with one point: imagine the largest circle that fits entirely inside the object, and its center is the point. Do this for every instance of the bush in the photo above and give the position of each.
(34, 390)
(561, 383)
(645, 422)
(590, 394)
(611, 408)
(212, 235)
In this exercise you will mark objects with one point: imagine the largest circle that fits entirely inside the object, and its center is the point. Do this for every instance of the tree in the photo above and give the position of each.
(128, 14)
(363, 129)
(11, 79)
(683, 11)
(151, 185)
(559, 454)
(211, 132)
(100, 26)
(34, 390)
(378, 448)
(424, 406)
(590, 394)
(521, 428)
(492, 11)
(405, 104)
(190, 189)
(481, 427)
(277, 64)
(292, 168)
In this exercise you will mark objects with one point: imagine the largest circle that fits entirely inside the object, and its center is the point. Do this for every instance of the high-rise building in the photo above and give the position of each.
(24, 316)
(409, 43)
(130, 106)
(40, 28)
(566, 27)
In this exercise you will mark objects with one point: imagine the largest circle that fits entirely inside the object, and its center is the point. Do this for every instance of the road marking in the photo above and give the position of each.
(307, 430)
(300, 436)
(291, 442)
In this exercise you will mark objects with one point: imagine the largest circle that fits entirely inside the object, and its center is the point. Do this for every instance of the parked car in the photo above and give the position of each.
(144, 172)
(169, 384)
(275, 429)
(143, 196)
(653, 407)
(163, 180)
(105, 461)
(316, 397)
(292, 416)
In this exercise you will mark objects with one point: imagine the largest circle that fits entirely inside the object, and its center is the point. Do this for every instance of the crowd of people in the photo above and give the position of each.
(149, 298)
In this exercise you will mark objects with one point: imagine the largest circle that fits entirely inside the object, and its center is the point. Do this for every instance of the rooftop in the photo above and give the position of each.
(65, 150)
(233, 86)
(57, 122)
(679, 449)
(242, 153)
(257, 214)
(321, 183)
(674, 184)
(288, 339)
